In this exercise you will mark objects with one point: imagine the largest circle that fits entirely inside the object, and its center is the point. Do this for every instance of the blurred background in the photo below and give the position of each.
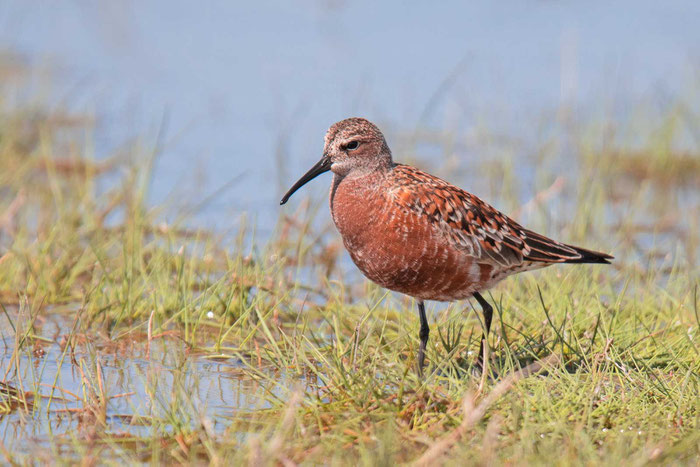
(155, 292)
(243, 92)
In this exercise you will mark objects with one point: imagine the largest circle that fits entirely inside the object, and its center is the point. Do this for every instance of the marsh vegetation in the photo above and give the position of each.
(128, 339)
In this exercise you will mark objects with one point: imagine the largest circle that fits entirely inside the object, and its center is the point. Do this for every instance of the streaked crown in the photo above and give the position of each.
(356, 143)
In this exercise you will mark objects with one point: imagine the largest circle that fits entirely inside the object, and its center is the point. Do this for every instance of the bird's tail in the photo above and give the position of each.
(589, 256)
(546, 250)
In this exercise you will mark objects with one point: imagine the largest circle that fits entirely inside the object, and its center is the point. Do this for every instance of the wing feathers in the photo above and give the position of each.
(479, 229)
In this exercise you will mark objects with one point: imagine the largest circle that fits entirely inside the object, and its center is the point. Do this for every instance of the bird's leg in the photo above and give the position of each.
(424, 333)
(488, 313)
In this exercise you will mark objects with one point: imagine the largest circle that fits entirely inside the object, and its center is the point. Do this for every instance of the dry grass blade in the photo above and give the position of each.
(472, 414)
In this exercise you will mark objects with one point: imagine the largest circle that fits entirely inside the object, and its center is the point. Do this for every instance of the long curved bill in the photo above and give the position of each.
(324, 165)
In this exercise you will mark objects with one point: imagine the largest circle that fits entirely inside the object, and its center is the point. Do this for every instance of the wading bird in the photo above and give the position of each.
(414, 233)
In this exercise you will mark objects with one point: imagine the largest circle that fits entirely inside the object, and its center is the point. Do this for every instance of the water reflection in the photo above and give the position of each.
(63, 389)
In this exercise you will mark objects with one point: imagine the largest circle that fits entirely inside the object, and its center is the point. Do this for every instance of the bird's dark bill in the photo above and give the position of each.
(324, 165)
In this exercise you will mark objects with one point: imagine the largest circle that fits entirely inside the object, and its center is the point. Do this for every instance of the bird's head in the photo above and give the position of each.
(353, 144)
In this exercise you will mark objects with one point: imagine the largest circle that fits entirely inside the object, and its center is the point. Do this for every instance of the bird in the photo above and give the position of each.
(416, 234)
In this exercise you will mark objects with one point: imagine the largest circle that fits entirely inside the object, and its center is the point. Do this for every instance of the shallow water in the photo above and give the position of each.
(192, 388)
(250, 88)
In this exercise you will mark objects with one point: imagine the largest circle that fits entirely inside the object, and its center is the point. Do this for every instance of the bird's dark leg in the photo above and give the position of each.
(424, 333)
(488, 313)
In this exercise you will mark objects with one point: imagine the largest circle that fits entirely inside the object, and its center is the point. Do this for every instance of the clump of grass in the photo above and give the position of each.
(138, 341)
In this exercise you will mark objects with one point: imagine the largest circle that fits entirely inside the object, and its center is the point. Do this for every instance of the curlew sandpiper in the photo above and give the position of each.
(414, 233)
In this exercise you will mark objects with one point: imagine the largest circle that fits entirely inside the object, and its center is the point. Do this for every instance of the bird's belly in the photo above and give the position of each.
(403, 252)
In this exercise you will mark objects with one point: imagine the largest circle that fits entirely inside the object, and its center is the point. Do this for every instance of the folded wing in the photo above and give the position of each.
(479, 229)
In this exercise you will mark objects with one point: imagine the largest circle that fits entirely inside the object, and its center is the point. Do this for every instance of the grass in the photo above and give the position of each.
(130, 340)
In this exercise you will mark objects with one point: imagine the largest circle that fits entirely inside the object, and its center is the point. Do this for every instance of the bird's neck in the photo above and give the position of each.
(352, 191)
(361, 179)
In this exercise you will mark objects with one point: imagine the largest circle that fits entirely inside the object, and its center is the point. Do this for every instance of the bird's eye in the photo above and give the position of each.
(352, 145)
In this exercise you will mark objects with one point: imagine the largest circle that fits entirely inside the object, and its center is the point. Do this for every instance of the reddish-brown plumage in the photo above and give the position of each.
(416, 234)
(394, 245)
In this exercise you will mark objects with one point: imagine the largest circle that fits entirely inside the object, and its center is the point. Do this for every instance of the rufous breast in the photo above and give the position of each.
(395, 247)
